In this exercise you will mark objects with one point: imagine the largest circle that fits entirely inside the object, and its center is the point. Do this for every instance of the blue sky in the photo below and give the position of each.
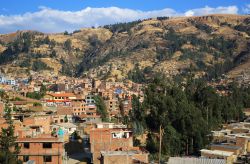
(58, 15)
(22, 6)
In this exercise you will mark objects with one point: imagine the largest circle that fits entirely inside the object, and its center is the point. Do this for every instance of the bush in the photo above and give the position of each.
(35, 95)
(66, 33)
(25, 63)
(39, 65)
(68, 45)
(122, 27)
(36, 104)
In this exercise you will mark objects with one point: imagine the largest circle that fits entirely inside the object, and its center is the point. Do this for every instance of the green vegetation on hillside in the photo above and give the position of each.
(37, 95)
(187, 112)
(192, 47)
(39, 65)
(122, 27)
(21, 44)
(213, 45)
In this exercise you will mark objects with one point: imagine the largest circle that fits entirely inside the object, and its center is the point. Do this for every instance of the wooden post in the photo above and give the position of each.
(160, 145)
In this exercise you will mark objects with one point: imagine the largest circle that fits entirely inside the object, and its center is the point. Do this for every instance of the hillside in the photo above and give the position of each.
(207, 46)
(26, 51)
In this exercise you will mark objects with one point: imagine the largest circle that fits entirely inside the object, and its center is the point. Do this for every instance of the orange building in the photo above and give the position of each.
(1, 108)
(54, 99)
(42, 149)
(111, 143)
(109, 139)
(40, 123)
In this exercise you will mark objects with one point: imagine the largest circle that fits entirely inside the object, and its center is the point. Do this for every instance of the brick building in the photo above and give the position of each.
(107, 138)
(40, 123)
(1, 108)
(59, 99)
(42, 149)
(63, 115)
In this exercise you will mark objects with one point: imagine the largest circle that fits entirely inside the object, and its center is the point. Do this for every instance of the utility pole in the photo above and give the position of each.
(207, 115)
(160, 144)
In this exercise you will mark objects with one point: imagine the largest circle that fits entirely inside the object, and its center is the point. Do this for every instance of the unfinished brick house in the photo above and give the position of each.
(108, 138)
(42, 149)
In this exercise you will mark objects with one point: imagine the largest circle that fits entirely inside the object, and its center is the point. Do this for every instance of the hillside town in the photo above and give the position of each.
(66, 125)
(66, 121)
(124, 82)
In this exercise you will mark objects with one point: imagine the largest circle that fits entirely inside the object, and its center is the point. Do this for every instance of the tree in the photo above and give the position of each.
(39, 65)
(53, 54)
(68, 45)
(66, 33)
(66, 118)
(136, 75)
(36, 104)
(9, 148)
(46, 40)
(94, 41)
(43, 89)
(137, 116)
(35, 95)
(101, 108)
(186, 111)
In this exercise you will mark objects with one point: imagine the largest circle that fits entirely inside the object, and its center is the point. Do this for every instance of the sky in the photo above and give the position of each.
(52, 16)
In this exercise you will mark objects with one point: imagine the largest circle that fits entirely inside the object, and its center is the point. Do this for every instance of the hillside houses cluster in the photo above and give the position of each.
(68, 112)
(43, 139)
(77, 95)
(231, 143)
(7, 80)
(242, 79)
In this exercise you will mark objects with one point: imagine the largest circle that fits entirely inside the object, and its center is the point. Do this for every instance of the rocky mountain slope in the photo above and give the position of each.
(207, 46)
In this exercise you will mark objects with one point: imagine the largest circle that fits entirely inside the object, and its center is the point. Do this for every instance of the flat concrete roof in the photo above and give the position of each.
(217, 152)
(227, 146)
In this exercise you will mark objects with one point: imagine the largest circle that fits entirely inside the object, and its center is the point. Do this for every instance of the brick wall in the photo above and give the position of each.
(101, 140)
(124, 159)
(36, 152)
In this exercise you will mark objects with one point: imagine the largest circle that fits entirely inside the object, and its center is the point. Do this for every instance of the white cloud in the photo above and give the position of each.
(246, 10)
(52, 20)
(209, 10)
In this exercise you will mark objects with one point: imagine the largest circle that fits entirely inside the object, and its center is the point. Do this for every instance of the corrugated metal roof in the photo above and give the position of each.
(186, 160)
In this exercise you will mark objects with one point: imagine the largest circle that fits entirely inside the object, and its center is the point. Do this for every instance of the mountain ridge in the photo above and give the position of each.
(126, 50)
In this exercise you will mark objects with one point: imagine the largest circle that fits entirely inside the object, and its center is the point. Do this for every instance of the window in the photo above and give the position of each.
(47, 145)
(47, 158)
(25, 158)
(26, 145)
